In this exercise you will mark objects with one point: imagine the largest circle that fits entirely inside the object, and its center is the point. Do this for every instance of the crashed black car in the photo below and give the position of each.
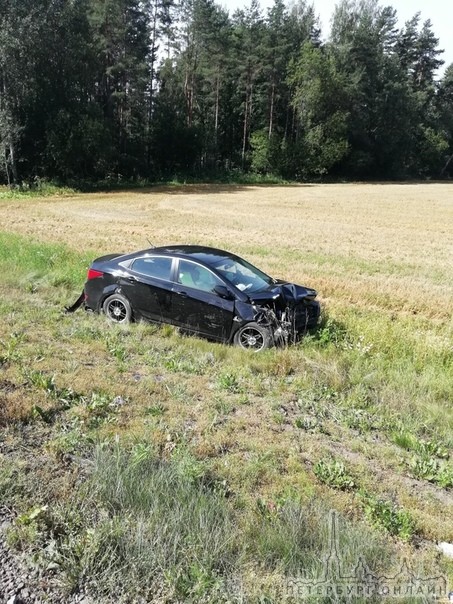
(202, 290)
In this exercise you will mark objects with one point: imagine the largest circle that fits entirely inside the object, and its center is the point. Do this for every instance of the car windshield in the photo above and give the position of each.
(242, 275)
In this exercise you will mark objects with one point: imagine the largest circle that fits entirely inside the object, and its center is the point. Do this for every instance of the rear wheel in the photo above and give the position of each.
(117, 309)
(253, 337)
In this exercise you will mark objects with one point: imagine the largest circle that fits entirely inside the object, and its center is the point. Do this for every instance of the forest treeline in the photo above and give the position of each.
(156, 89)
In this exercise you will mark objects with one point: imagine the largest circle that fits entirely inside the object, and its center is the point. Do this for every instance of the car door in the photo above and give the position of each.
(149, 287)
(195, 305)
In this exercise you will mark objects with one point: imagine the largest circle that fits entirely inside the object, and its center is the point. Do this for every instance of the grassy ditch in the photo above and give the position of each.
(208, 472)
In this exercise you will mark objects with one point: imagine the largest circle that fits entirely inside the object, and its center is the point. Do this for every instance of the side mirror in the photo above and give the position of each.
(223, 292)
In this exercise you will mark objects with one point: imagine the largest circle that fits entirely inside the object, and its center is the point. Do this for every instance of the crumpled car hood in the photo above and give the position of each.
(290, 292)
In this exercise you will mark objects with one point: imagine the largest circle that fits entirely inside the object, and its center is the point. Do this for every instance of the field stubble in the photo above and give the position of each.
(363, 244)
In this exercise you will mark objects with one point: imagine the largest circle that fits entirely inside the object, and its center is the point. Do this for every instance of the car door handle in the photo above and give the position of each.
(182, 294)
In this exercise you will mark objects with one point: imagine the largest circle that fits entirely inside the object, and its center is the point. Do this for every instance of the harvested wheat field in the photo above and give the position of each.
(257, 449)
(354, 242)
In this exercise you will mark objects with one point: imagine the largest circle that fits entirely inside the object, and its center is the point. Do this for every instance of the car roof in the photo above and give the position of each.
(208, 255)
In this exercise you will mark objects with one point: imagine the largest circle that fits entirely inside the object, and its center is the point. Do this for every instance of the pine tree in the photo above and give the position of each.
(121, 37)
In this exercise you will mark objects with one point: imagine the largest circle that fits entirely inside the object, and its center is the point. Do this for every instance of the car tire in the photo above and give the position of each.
(117, 309)
(253, 336)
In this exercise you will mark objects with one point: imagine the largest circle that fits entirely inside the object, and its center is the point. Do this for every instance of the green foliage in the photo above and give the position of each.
(180, 361)
(334, 474)
(444, 477)
(42, 381)
(428, 462)
(142, 524)
(156, 410)
(32, 515)
(431, 469)
(12, 480)
(170, 90)
(116, 348)
(432, 147)
(230, 382)
(9, 352)
(264, 154)
(411, 442)
(320, 93)
(37, 188)
(331, 331)
(65, 397)
(386, 515)
(424, 467)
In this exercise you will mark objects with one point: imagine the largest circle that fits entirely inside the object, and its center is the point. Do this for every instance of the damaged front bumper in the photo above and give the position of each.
(291, 324)
(288, 311)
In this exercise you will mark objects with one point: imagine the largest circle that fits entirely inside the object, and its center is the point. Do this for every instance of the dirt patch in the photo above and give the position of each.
(14, 406)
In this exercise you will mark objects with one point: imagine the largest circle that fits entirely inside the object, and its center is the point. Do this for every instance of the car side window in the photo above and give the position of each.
(158, 267)
(193, 275)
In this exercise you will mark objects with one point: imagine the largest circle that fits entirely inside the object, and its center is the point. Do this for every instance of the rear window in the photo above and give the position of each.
(158, 267)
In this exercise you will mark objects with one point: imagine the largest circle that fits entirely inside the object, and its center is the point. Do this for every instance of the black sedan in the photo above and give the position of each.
(202, 290)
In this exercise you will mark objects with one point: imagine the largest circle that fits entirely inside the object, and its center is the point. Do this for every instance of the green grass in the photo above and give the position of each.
(33, 265)
(207, 472)
(38, 188)
(143, 526)
(334, 474)
(44, 188)
(160, 529)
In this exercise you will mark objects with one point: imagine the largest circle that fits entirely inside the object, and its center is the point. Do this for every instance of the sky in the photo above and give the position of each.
(440, 12)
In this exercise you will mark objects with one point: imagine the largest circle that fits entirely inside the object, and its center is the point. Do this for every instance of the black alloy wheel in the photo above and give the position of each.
(117, 308)
(253, 337)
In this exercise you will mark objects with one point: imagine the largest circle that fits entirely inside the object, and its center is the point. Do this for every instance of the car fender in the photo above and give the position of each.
(113, 288)
(243, 313)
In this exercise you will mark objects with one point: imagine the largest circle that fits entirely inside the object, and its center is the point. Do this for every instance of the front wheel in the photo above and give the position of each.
(253, 337)
(117, 309)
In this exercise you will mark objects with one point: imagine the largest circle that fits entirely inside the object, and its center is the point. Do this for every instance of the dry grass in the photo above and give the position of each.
(361, 244)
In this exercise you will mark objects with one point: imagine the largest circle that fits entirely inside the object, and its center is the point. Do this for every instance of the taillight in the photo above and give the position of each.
(94, 274)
